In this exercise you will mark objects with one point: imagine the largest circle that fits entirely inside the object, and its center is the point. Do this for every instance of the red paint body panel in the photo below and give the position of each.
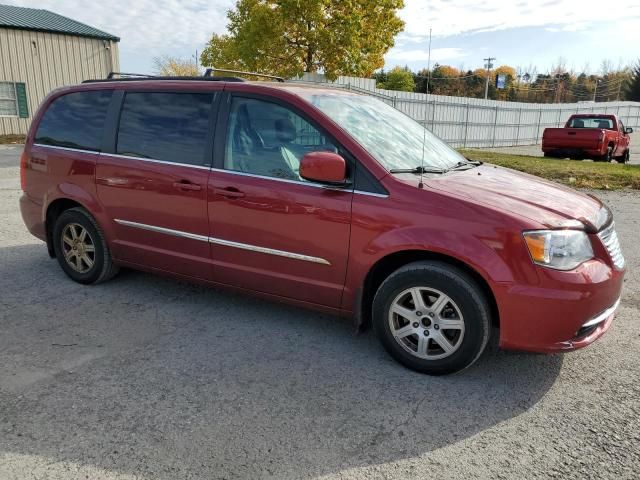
(316, 245)
(284, 216)
(151, 194)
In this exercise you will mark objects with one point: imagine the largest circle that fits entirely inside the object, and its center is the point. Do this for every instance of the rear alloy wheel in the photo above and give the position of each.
(432, 317)
(78, 248)
(81, 249)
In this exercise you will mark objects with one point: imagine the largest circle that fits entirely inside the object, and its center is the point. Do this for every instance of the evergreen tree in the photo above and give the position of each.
(633, 87)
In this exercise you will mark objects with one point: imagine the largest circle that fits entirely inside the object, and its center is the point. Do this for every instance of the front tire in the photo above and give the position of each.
(626, 156)
(432, 317)
(81, 248)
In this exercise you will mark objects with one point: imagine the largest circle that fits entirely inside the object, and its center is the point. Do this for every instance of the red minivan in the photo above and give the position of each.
(322, 198)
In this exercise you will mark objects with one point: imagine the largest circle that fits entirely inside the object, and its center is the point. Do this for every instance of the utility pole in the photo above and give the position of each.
(595, 90)
(488, 66)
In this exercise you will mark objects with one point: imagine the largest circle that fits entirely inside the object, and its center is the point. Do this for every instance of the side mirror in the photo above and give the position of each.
(628, 130)
(324, 167)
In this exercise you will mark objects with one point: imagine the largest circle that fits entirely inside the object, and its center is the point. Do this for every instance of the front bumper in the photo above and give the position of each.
(567, 311)
(588, 333)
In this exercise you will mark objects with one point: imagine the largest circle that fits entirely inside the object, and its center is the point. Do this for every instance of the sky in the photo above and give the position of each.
(532, 35)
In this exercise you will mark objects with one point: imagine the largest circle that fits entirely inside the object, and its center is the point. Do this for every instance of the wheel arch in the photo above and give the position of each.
(393, 261)
(54, 210)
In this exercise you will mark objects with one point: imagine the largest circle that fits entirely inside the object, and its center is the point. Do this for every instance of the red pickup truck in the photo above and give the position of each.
(598, 137)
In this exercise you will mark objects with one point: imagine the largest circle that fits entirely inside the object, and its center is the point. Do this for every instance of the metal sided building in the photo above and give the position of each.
(41, 50)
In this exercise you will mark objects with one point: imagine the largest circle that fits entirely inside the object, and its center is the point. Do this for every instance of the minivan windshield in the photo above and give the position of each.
(390, 136)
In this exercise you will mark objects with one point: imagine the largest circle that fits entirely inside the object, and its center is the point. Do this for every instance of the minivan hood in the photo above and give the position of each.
(544, 202)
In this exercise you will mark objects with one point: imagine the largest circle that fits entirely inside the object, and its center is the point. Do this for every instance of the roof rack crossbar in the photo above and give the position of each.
(210, 71)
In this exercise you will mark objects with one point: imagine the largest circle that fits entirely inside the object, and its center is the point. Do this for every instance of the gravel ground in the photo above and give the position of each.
(536, 151)
(148, 378)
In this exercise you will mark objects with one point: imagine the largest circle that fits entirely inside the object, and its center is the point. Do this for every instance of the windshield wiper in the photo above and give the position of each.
(465, 165)
(418, 170)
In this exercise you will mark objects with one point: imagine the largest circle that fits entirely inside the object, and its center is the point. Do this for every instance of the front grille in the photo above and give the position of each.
(610, 241)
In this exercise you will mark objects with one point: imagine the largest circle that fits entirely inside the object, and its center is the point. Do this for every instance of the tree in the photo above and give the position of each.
(633, 86)
(400, 79)
(175, 67)
(290, 37)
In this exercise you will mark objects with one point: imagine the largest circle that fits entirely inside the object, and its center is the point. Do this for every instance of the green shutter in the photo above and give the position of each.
(21, 94)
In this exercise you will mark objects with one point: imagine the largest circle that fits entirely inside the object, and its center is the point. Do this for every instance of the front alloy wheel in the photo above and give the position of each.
(426, 323)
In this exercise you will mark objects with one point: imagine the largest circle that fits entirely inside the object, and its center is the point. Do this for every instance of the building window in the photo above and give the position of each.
(8, 100)
(13, 100)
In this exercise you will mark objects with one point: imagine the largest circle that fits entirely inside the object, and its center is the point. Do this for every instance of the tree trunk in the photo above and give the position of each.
(308, 63)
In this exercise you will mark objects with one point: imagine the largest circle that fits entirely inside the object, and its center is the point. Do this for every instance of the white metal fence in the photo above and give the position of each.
(473, 122)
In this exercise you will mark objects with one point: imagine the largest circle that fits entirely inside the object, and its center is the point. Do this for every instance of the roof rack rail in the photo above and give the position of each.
(127, 75)
(133, 77)
(210, 71)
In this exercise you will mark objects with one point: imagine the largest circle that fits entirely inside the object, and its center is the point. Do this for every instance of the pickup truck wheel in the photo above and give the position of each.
(81, 248)
(431, 317)
(607, 157)
(626, 156)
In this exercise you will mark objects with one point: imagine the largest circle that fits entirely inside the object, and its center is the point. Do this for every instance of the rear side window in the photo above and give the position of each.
(173, 127)
(75, 120)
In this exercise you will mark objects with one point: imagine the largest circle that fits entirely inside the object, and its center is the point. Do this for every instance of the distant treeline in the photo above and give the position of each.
(557, 86)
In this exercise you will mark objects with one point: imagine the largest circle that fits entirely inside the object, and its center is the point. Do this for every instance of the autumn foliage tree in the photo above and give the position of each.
(558, 86)
(290, 37)
(175, 67)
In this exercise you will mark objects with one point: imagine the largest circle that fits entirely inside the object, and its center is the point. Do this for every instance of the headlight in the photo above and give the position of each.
(559, 249)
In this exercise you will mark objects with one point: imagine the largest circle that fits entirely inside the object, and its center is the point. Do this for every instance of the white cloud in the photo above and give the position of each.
(452, 17)
(152, 27)
(414, 55)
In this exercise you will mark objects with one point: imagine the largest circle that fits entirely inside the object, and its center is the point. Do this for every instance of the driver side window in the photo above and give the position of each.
(266, 139)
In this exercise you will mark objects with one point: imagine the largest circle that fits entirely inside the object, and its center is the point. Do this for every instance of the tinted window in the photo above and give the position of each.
(75, 120)
(591, 122)
(165, 126)
(267, 139)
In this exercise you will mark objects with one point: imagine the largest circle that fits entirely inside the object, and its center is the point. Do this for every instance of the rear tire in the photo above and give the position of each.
(432, 318)
(607, 157)
(81, 248)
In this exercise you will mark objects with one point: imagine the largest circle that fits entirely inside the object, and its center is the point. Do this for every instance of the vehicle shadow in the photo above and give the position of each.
(151, 377)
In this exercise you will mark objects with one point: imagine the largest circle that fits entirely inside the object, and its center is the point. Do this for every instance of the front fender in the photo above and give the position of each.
(498, 255)
(485, 253)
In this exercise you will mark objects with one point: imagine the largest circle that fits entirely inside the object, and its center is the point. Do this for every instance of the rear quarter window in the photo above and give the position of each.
(75, 120)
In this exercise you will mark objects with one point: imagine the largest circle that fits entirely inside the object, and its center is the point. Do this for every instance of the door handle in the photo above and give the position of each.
(230, 192)
(187, 185)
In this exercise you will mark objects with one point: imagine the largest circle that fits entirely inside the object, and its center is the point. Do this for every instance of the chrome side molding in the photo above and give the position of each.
(226, 243)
